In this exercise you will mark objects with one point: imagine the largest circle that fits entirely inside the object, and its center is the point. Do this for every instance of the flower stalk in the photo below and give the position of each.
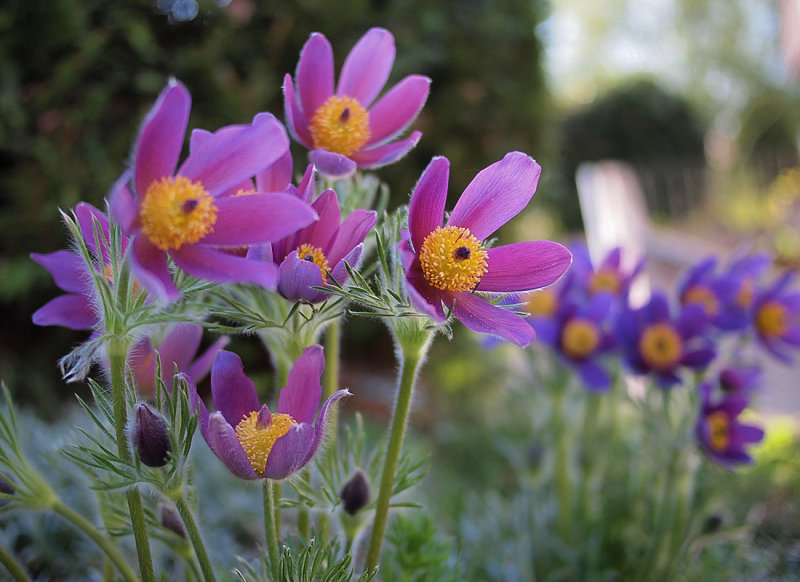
(271, 526)
(194, 535)
(12, 566)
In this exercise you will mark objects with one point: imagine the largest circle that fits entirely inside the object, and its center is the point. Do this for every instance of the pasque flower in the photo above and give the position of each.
(609, 276)
(719, 431)
(776, 317)
(345, 128)
(185, 213)
(253, 442)
(446, 265)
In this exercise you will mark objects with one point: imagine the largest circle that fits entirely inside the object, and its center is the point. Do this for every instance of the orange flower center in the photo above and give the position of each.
(452, 259)
(772, 320)
(605, 280)
(661, 346)
(719, 428)
(176, 212)
(257, 435)
(703, 296)
(340, 125)
(314, 255)
(579, 338)
(541, 303)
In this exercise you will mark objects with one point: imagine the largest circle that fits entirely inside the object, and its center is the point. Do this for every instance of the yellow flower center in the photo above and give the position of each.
(314, 255)
(258, 436)
(772, 319)
(340, 125)
(703, 296)
(744, 298)
(719, 428)
(541, 303)
(176, 211)
(605, 280)
(579, 338)
(661, 346)
(452, 259)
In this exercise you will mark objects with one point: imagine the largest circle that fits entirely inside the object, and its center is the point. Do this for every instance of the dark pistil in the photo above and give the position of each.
(189, 205)
(461, 253)
(345, 116)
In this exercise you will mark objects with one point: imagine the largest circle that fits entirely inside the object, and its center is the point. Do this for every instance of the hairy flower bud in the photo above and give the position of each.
(151, 437)
(355, 493)
(171, 520)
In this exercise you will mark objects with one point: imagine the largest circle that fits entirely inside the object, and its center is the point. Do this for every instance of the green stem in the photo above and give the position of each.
(413, 354)
(197, 541)
(13, 566)
(270, 527)
(562, 480)
(103, 542)
(333, 344)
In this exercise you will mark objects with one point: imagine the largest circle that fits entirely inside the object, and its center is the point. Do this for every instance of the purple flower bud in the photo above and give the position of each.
(355, 493)
(171, 520)
(151, 437)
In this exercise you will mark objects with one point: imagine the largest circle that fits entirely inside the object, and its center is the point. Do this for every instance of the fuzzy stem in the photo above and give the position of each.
(333, 344)
(270, 527)
(13, 566)
(197, 541)
(103, 543)
(412, 352)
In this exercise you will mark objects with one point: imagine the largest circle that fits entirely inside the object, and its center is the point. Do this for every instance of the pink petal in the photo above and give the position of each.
(323, 232)
(277, 177)
(200, 367)
(217, 265)
(300, 398)
(332, 165)
(142, 362)
(225, 445)
(496, 195)
(72, 311)
(479, 315)
(315, 74)
(149, 267)
(352, 232)
(94, 226)
(296, 120)
(123, 206)
(178, 348)
(387, 153)
(423, 297)
(233, 393)
(367, 67)
(161, 139)
(297, 277)
(398, 108)
(524, 266)
(426, 209)
(257, 218)
(67, 269)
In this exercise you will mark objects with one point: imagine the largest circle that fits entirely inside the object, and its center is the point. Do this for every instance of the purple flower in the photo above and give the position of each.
(776, 317)
(740, 379)
(347, 128)
(577, 333)
(656, 344)
(446, 264)
(253, 442)
(185, 213)
(608, 277)
(75, 309)
(178, 349)
(719, 431)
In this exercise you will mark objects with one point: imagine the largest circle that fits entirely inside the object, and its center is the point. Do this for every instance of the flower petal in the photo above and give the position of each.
(398, 108)
(321, 427)
(594, 376)
(278, 175)
(142, 362)
(72, 311)
(178, 348)
(524, 266)
(257, 218)
(225, 445)
(387, 153)
(149, 266)
(233, 393)
(352, 232)
(300, 398)
(289, 452)
(496, 195)
(423, 297)
(297, 277)
(201, 366)
(322, 232)
(331, 164)
(123, 206)
(216, 265)
(479, 315)
(426, 209)
(235, 153)
(161, 139)
(296, 120)
(367, 67)
(67, 269)
(315, 74)
(94, 226)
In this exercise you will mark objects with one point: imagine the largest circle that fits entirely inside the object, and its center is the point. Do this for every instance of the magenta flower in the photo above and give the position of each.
(719, 431)
(445, 265)
(346, 128)
(253, 442)
(185, 214)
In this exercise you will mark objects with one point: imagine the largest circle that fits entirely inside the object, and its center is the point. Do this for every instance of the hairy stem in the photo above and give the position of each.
(197, 541)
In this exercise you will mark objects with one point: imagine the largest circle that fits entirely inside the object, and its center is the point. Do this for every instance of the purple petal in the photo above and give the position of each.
(257, 218)
(479, 315)
(296, 120)
(72, 311)
(236, 153)
(593, 375)
(201, 366)
(315, 74)
(387, 153)
(352, 232)
(426, 209)
(496, 195)
(91, 219)
(297, 277)
(321, 427)
(216, 265)
(300, 398)
(67, 269)
(149, 267)
(698, 358)
(161, 139)
(196, 404)
(398, 108)
(322, 232)
(524, 266)
(289, 452)
(331, 164)
(123, 206)
(178, 348)
(233, 393)
(367, 67)
(339, 271)
(423, 297)
(278, 176)
(142, 362)
(225, 445)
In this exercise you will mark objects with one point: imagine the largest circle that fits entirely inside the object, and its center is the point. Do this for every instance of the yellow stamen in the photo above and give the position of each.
(541, 303)
(579, 338)
(772, 319)
(452, 259)
(314, 255)
(703, 296)
(176, 211)
(744, 298)
(719, 428)
(661, 346)
(340, 125)
(605, 280)
(257, 441)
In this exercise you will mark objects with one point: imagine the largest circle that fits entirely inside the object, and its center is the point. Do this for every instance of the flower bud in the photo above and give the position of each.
(171, 520)
(151, 437)
(355, 493)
